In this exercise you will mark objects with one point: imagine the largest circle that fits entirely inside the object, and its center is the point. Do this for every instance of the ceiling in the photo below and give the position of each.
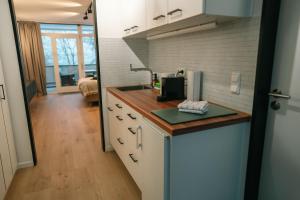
(53, 11)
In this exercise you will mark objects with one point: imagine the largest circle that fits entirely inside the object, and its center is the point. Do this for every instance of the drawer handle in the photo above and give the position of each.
(110, 109)
(127, 29)
(131, 130)
(132, 158)
(134, 27)
(158, 17)
(119, 118)
(174, 11)
(119, 140)
(119, 106)
(131, 116)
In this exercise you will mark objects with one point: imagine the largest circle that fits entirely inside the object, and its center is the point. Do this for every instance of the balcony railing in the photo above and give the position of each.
(68, 74)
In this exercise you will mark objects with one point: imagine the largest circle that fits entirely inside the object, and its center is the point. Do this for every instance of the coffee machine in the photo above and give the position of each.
(172, 88)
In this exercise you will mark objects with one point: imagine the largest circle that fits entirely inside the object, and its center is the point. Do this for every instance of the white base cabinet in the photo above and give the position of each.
(209, 164)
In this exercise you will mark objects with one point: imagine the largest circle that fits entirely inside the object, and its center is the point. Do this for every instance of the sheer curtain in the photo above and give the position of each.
(33, 55)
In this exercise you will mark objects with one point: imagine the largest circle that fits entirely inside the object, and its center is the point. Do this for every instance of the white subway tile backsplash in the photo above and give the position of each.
(231, 47)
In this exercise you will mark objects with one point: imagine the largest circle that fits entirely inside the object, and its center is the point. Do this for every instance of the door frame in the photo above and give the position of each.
(26, 103)
(264, 68)
(266, 50)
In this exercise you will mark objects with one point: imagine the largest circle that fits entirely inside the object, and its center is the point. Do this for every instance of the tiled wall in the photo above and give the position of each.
(116, 56)
(219, 52)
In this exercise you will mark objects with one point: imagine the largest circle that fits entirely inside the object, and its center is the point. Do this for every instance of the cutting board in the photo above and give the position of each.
(173, 116)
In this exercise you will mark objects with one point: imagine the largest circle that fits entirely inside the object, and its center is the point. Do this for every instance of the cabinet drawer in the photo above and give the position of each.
(133, 165)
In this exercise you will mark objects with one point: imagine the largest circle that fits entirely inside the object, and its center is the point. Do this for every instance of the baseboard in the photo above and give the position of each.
(108, 148)
(25, 164)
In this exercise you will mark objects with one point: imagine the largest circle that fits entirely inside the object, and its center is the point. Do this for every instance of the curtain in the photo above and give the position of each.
(33, 55)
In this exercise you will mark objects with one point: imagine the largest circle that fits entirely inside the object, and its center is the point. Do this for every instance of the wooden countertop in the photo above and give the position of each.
(144, 101)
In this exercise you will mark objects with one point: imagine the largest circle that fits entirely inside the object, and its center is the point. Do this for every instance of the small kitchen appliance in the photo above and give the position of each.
(172, 88)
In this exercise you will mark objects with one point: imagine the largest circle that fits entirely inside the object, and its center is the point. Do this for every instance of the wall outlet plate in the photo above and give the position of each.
(235, 85)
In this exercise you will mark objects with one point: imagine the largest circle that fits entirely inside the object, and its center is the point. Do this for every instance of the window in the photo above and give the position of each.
(70, 54)
(59, 28)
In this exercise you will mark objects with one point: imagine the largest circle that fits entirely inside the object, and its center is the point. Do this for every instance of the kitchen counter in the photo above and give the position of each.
(144, 101)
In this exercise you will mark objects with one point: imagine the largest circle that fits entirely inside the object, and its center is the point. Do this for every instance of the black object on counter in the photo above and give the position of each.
(172, 88)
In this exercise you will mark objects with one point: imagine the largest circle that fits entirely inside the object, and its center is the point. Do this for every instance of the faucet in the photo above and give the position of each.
(143, 69)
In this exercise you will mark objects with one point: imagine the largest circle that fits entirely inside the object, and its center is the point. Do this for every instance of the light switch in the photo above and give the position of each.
(235, 86)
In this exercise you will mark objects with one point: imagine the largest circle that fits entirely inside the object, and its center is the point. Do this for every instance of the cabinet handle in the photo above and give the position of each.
(174, 11)
(134, 27)
(110, 109)
(131, 116)
(158, 17)
(119, 118)
(132, 158)
(119, 106)
(131, 130)
(3, 93)
(119, 140)
(127, 29)
(139, 138)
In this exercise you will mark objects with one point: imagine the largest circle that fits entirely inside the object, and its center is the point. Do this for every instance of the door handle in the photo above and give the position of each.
(3, 93)
(278, 94)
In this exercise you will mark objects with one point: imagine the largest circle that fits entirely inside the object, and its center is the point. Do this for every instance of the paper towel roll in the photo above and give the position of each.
(194, 85)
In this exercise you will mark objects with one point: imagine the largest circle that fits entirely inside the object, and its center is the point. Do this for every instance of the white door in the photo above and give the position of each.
(68, 65)
(281, 162)
(7, 148)
(7, 121)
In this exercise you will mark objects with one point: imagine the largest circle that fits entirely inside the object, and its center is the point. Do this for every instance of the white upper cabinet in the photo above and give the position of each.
(157, 13)
(178, 9)
(134, 16)
(142, 15)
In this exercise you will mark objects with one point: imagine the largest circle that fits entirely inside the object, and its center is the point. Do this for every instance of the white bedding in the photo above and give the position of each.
(88, 86)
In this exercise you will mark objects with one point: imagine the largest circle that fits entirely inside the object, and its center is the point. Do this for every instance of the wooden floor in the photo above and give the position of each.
(71, 164)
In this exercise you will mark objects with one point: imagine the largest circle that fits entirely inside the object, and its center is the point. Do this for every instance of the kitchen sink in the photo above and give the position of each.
(134, 87)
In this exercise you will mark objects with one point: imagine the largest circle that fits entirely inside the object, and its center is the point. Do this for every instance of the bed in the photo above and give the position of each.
(89, 89)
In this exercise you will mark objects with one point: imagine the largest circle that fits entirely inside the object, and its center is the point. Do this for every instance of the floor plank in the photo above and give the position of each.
(71, 164)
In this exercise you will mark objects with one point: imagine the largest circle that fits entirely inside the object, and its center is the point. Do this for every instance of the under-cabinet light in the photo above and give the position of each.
(193, 29)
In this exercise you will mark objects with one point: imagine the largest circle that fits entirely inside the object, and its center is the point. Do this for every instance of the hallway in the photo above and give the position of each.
(71, 164)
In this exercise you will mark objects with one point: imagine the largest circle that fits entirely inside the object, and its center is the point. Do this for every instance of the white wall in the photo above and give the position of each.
(14, 87)
(116, 54)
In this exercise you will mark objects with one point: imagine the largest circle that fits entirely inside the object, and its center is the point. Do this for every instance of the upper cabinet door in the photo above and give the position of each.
(138, 16)
(134, 16)
(157, 13)
(178, 9)
(127, 16)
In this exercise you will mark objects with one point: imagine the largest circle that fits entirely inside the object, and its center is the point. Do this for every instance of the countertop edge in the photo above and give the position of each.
(244, 117)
